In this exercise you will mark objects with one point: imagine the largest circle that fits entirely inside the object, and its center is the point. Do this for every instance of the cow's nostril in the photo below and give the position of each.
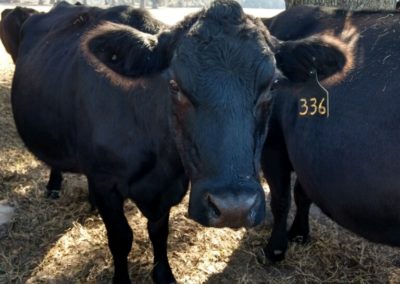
(213, 207)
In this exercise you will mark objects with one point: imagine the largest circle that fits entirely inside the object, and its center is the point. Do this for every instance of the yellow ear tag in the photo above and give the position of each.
(314, 101)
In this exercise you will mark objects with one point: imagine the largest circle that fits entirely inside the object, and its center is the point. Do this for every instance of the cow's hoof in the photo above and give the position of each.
(121, 281)
(274, 255)
(298, 236)
(163, 275)
(300, 239)
(53, 194)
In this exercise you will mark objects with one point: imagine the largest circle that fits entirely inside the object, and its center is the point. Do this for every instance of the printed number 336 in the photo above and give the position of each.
(312, 106)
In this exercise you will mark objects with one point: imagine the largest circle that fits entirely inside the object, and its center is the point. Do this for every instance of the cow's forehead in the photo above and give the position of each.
(210, 46)
(217, 50)
(226, 63)
(242, 25)
(235, 29)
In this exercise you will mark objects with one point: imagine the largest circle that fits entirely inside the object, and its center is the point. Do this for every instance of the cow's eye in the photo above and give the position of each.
(274, 84)
(178, 95)
(173, 86)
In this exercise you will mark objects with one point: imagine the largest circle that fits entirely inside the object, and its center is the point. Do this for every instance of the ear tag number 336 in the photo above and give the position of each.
(316, 102)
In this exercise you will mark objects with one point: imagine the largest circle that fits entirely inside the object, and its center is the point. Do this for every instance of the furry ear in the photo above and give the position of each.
(10, 27)
(125, 50)
(323, 54)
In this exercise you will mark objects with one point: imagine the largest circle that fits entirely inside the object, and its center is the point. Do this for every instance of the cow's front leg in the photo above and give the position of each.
(277, 171)
(54, 184)
(158, 233)
(110, 206)
(300, 229)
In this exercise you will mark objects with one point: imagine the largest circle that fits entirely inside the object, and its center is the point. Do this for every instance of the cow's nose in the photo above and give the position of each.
(233, 211)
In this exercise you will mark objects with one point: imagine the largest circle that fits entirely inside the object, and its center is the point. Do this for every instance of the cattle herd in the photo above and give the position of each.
(142, 109)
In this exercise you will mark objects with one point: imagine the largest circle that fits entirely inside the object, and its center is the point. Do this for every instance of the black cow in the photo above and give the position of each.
(10, 26)
(347, 157)
(98, 92)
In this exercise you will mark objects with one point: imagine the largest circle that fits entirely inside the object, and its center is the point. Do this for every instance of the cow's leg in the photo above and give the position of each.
(158, 233)
(54, 184)
(300, 228)
(110, 205)
(277, 169)
(92, 196)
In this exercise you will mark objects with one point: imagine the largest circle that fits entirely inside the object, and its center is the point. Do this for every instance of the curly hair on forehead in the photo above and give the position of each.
(227, 11)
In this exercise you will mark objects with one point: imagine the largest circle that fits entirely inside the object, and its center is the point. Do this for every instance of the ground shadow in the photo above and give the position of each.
(333, 255)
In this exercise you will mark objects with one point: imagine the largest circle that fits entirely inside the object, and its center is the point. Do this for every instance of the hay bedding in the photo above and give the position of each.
(63, 242)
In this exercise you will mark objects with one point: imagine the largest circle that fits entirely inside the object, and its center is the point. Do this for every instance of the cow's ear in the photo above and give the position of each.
(10, 28)
(300, 58)
(124, 50)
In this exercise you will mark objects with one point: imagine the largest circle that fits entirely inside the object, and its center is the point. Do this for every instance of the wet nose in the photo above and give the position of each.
(244, 210)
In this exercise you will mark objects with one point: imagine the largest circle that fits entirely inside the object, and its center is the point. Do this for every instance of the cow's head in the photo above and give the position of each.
(10, 27)
(220, 64)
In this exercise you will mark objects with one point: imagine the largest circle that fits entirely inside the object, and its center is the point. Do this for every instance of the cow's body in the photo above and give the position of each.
(64, 26)
(97, 92)
(12, 21)
(347, 163)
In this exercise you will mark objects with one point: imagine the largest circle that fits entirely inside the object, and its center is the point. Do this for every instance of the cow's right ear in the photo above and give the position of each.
(325, 55)
(125, 50)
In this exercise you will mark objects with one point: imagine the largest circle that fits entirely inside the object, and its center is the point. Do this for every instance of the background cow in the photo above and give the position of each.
(347, 158)
(11, 24)
(97, 92)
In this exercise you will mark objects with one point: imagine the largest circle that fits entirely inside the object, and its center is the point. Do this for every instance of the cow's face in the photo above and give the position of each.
(221, 72)
(221, 66)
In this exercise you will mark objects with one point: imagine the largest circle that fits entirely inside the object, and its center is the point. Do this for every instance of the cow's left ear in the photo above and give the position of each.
(299, 58)
(126, 51)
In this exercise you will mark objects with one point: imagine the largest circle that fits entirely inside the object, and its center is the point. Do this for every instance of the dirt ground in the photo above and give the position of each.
(62, 241)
